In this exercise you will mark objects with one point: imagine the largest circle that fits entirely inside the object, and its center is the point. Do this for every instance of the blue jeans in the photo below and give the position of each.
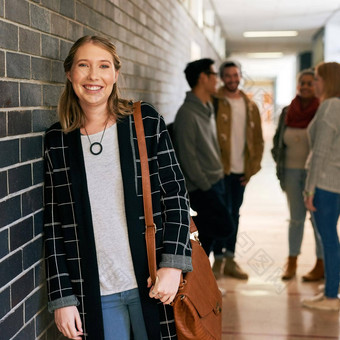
(121, 312)
(294, 180)
(234, 199)
(326, 218)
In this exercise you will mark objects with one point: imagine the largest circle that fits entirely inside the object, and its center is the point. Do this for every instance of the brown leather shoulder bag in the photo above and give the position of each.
(198, 302)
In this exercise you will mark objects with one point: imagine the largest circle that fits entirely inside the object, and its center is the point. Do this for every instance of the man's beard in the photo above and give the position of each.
(232, 88)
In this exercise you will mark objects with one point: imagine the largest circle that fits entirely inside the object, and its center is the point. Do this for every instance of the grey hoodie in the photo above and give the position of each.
(196, 144)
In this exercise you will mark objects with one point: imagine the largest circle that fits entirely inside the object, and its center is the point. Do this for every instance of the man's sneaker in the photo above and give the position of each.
(231, 268)
(321, 302)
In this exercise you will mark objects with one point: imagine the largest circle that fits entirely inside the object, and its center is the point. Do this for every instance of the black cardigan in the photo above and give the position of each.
(71, 263)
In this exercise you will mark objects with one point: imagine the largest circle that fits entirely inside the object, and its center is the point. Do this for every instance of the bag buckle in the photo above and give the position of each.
(194, 236)
(153, 226)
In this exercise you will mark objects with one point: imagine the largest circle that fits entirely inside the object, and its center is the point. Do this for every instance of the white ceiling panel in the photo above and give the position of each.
(305, 16)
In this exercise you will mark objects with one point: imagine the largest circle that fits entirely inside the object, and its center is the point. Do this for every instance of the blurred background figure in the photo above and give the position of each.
(240, 138)
(290, 151)
(199, 154)
(322, 190)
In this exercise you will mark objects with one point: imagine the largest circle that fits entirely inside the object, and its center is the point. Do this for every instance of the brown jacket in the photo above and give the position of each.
(254, 140)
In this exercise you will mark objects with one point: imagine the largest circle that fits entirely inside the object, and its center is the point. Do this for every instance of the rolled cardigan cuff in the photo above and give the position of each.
(66, 301)
(176, 261)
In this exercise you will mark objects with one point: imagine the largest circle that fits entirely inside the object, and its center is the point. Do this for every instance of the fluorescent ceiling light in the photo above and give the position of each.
(265, 55)
(268, 34)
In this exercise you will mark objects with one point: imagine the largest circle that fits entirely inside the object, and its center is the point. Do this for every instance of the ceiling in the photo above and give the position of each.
(305, 16)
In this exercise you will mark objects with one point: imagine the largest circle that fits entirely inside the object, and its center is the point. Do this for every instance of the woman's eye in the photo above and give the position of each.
(104, 66)
(82, 65)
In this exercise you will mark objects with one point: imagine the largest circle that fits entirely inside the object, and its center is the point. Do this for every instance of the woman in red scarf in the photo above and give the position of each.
(290, 152)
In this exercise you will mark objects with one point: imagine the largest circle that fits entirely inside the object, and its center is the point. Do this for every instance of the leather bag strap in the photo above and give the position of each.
(150, 227)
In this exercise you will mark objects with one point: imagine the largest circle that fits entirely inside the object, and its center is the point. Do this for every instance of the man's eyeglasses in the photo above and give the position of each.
(211, 72)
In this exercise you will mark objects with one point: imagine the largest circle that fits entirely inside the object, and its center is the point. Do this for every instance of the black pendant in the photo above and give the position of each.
(95, 146)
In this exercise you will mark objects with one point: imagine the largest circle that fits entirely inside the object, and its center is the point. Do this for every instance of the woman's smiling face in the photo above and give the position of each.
(305, 86)
(92, 76)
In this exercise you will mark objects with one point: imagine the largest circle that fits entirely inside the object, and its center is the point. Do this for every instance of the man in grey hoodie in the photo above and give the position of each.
(198, 152)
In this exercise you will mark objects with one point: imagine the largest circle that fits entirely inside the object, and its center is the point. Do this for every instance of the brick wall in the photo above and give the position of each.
(153, 38)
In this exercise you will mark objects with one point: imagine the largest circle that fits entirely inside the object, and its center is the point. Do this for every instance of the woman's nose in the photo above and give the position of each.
(92, 73)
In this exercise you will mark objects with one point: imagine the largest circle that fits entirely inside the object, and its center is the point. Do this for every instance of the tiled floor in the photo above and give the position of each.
(264, 307)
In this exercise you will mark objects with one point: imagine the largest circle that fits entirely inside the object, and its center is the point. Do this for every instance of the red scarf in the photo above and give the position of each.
(299, 117)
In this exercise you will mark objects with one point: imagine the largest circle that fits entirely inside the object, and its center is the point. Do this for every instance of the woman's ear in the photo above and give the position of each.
(116, 76)
(68, 75)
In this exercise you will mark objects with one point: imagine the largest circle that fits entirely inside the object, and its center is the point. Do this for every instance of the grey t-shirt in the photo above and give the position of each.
(105, 187)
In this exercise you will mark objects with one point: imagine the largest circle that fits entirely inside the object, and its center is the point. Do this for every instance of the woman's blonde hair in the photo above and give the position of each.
(330, 74)
(71, 115)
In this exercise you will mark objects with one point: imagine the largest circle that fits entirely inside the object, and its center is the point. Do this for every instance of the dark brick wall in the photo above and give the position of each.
(153, 38)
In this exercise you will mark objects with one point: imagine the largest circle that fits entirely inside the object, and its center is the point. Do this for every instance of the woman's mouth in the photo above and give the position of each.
(92, 87)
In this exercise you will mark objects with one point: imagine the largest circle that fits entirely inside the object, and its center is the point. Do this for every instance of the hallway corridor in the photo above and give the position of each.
(264, 307)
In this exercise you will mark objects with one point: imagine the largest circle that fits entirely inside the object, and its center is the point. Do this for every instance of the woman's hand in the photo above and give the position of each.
(68, 322)
(166, 285)
(309, 203)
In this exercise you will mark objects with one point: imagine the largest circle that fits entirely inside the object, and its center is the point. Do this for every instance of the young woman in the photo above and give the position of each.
(96, 262)
(290, 152)
(322, 191)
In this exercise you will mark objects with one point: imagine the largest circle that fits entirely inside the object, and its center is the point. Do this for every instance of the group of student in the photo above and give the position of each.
(96, 263)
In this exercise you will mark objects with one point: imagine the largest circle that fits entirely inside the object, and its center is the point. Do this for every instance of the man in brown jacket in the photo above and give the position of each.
(241, 142)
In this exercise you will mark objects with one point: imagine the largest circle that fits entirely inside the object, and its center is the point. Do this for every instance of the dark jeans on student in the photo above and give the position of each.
(234, 199)
(213, 220)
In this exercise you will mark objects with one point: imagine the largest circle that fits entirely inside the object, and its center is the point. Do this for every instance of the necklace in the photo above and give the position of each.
(96, 148)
